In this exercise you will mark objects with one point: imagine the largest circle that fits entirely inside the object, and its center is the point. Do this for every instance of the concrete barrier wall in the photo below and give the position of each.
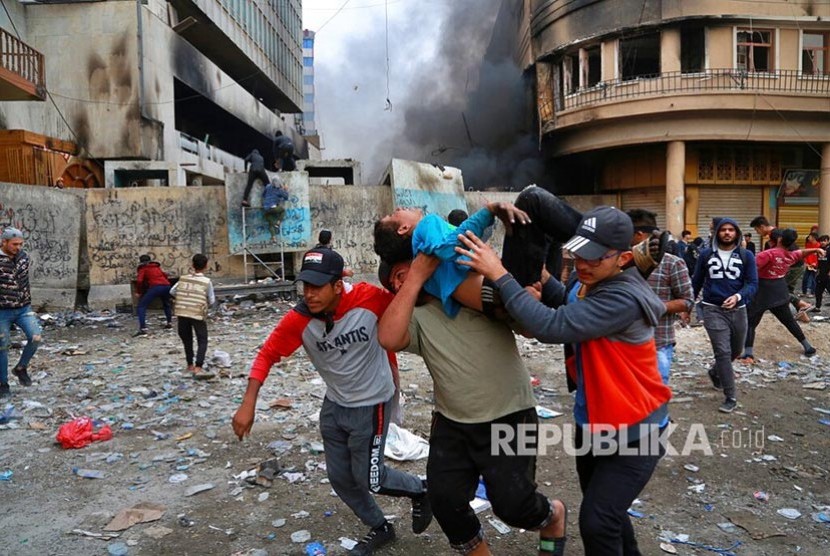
(170, 224)
(51, 223)
(350, 212)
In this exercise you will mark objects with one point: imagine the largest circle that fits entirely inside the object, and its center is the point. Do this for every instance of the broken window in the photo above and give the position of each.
(640, 56)
(815, 53)
(754, 50)
(590, 66)
(692, 49)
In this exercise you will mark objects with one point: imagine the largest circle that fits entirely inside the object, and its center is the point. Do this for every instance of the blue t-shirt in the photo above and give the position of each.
(435, 236)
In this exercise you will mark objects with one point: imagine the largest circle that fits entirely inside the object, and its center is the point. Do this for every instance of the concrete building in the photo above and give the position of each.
(156, 92)
(689, 109)
(309, 119)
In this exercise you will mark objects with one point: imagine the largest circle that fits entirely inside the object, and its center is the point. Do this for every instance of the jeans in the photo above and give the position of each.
(808, 282)
(26, 320)
(727, 330)
(665, 355)
(156, 291)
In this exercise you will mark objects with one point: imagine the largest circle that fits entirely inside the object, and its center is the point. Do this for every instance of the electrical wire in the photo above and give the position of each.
(340, 9)
(388, 102)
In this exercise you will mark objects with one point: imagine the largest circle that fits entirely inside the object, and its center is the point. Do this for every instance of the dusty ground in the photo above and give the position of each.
(98, 369)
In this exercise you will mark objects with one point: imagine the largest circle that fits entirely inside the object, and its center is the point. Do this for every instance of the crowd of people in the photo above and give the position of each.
(447, 297)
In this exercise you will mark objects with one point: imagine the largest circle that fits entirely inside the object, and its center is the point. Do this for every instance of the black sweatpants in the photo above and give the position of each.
(609, 484)
(822, 285)
(186, 328)
(253, 175)
(784, 316)
(461, 452)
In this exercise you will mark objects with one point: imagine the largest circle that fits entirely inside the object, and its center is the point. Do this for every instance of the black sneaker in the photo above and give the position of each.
(728, 406)
(22, 376)
(810, 352)
(421, 513)
(141, 332)
(4, 390)
(815, 310)
(168, 326)
(374, 539)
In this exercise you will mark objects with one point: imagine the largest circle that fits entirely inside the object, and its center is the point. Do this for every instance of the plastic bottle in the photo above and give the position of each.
(315, 549)
(88, 473)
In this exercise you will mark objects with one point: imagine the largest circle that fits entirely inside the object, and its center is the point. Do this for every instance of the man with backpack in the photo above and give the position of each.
(727, 274)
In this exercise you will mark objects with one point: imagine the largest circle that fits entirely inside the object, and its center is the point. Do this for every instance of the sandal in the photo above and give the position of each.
(555, 546)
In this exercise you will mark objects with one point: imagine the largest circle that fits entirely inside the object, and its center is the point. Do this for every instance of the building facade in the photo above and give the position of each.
(162, 92)
(690, 109)
(308, 123)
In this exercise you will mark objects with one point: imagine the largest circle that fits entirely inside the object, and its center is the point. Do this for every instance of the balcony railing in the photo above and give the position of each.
(24, 62)
(727, 80)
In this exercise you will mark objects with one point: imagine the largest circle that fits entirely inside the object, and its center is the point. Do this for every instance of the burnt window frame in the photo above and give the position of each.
(751, 46)
(825, 57)
(685, 55)
(626, 63)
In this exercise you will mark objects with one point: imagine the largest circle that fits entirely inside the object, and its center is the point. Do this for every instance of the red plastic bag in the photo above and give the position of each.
(80, 433)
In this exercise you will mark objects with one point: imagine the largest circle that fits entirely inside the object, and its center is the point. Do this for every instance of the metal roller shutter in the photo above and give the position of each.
(742, 204)
(652, 199)
(800, 217)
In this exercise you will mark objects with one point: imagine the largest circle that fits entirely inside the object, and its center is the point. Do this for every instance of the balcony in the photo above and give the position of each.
(714, 81)
(21, 70)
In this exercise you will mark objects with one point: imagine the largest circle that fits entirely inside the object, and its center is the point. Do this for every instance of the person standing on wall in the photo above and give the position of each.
(15, 308)
(283, 150)
(255, 165)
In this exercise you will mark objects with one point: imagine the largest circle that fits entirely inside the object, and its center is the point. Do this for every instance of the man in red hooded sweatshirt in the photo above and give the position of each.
(151, 282)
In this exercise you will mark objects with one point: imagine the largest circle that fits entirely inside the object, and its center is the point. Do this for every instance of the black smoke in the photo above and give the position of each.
(457, 96)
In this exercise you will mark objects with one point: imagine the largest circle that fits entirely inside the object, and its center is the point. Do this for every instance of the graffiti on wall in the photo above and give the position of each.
(350, 213)
(169, 224)
(51, 223)
(434, 189)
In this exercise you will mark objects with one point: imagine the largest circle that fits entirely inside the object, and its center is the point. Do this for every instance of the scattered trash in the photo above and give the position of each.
(775, 438)
(104, 536)
(89, 473)
(820, 517)
(185, 521)
(263, 496)
(789, 513)
(758, 528)
(666, 547)
(8, 415)
(761, 496)
(277, 523)
(280, 403)
(143, 512)
(6, 475)
(221, 359)
(698, 488)
(267, 471)
(635, 513)
(692, 468)
(302, 514)
(545, 413)
(718, 550)
(479, 504)
(79, 433)
(315, 549)
(157, 531)
(727, 527)
(499, 526)
(196, 489)
(300, 536)
(402, 445)
(117, 549)
(177, 478)
(347, 543)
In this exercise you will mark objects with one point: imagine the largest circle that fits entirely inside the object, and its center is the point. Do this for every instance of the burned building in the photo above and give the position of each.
(156, 92)
(688, 109)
